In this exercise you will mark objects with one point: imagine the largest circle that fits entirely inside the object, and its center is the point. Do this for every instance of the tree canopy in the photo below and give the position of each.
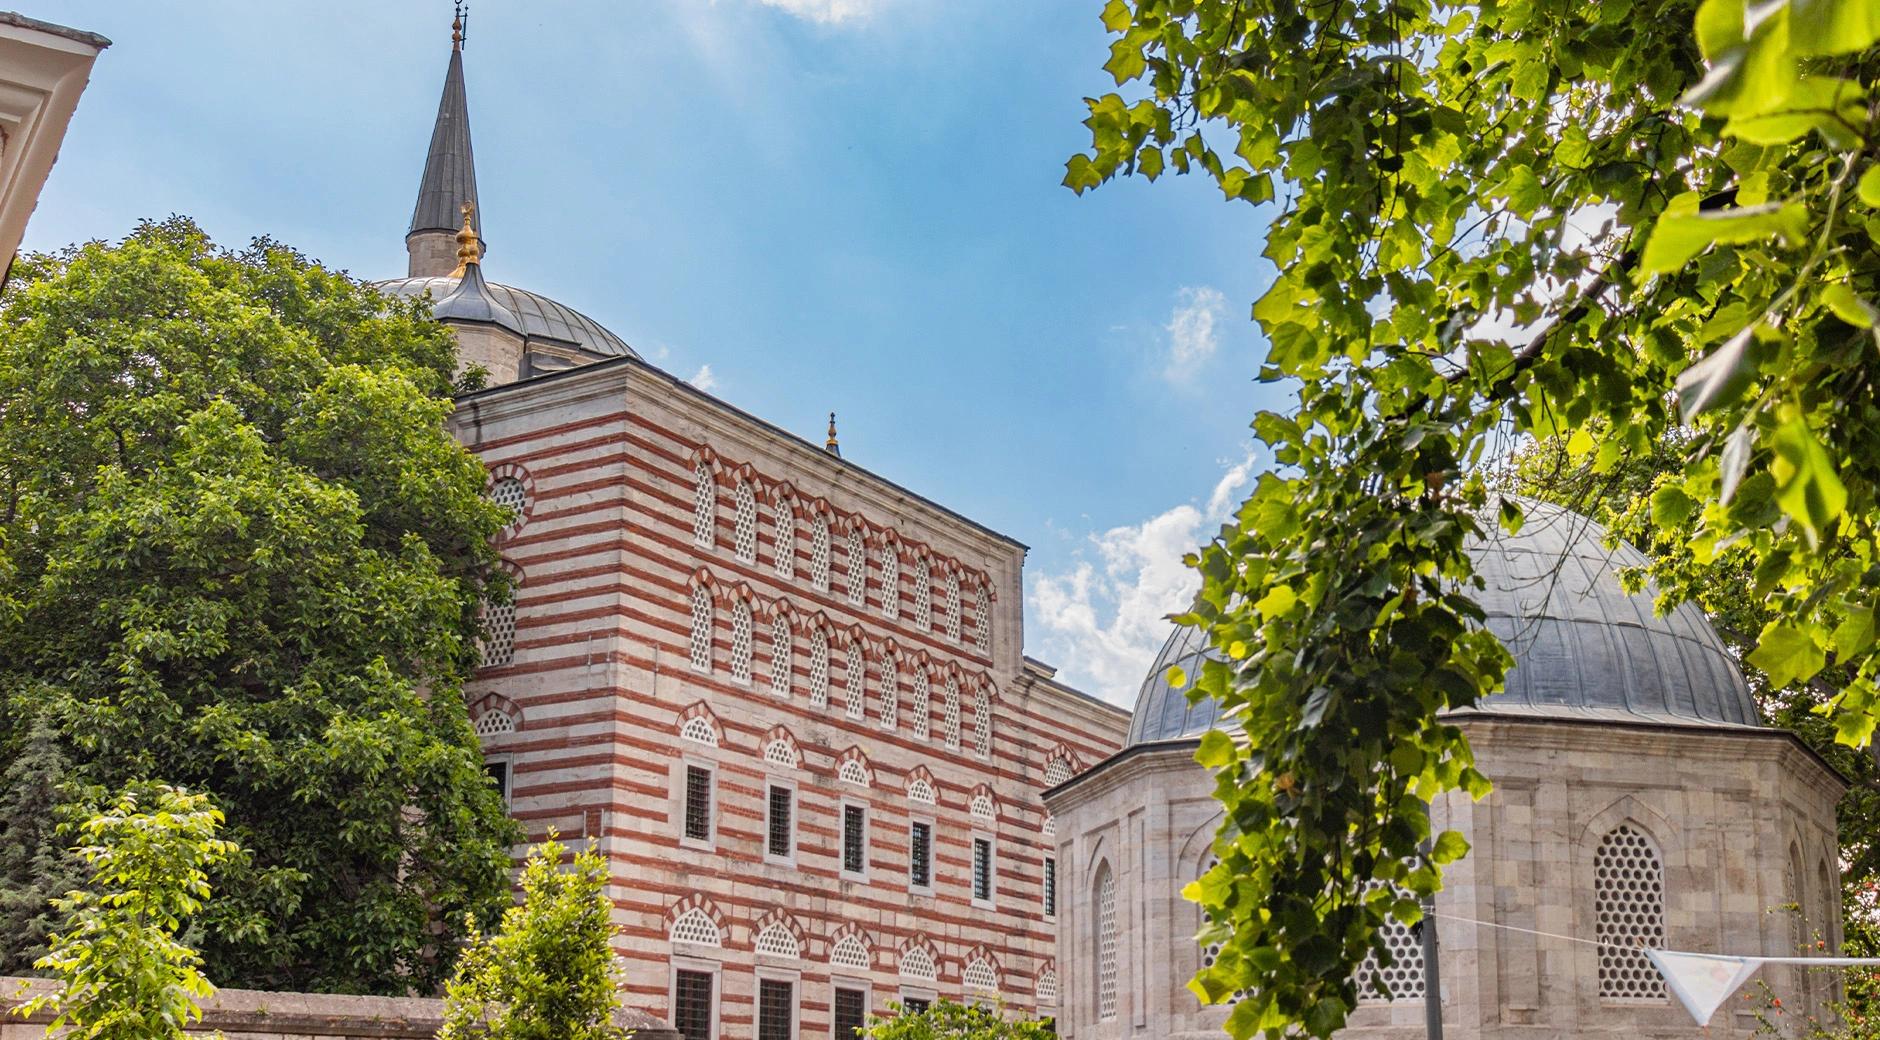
(1605, 222)
(241, 554)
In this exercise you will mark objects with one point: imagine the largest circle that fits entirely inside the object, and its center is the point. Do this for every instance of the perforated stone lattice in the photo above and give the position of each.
(922, 704)
(701, 648)
(704, 504)
(890, 694)
(818, 668)
(499, 622)
(819, 555)
(849, 952)
(917, 964)
(980, 976)
(1106, 945)
(509, 493)
(953, 715)
(695, 926)
(782, 650)
(1404, 978)
(495, 723)
(858, 568)
(890, 584)
(983, 809)
(744, 530)
(779, 753)
(776, 941)
(952, 607)
(1047, 990)
(920, 791)
(786, 541)
(982, 724)
(982, 622)
(1628, 914)
(741, 642)
(856, 699)
(1056, 772)
(923, 596)
(852, 772)
(699, 731)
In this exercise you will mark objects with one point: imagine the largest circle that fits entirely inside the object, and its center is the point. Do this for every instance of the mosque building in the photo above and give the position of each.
(786, 697)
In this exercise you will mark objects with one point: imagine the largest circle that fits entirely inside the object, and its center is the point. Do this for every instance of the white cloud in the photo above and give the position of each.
(703, 379)
(828, 12)
(1191, 336)
(1102, 621)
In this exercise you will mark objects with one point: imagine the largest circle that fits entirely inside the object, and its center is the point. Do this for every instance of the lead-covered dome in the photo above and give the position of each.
(539, 316)
(1583, 647)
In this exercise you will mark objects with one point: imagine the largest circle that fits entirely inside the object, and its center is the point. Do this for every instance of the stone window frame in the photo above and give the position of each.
(925, 819)
(704, 504)
(689, 758)
(850, 981)
(843, 805)
(772, 780)
(704, 621)
(743, 641)
(991, 898)
(1106, 964)
(744, 522)
(772, 973)
(677, 962)
(1665, 837)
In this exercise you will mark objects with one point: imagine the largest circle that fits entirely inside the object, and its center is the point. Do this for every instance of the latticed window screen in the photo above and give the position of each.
(890, 582)
(1049, 827)
(890, 693)
(1047, 987)
(919, 790)
(920, 854)
(854, 839)
(819, 554)
(923, 596)
(952, 720)
(917, 964)
(1050, 886)
(1106, 943)
(776, 941)
(698, 803)
(1628, 914)
(509, 493)
(982, 620)
(776, 1009)
(744, 528)
(818, 668)
(692, 1005)
(850, 1012)
(696, 927)
(499, 633)
(952, 606)
(1056, 771)
(700, 729)
(849, 952)
(982, 869)
(1212, 952)
(983, 810)
(704, 505)
(495, 723)
(1403, 980)
(982, 723)
(858, 568)
(922, 703)
(786, 541)
(780, 832)
(853, 772)
(782, 656)
(980, 976)
(741, 642)
(701, 649)
(856, 703)
(780, 753)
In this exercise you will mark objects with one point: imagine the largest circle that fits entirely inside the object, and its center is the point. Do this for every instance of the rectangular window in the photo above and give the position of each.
(854, 839)
(920, 855)
(1050, 887)
(692, 1005)
(499, 778)
(776, 1010)
(851, 1013)
(698, 803)
(914, 1006)
(982, 870)
(780, 831)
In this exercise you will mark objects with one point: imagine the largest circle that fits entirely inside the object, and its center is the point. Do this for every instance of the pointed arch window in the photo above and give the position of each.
(952, 606)
(849, 952)
(1047, 988)
(917, 965)
(922, 703)
(980, 977)
(819, 554)
(741, 642)
(923, 596)
(777, 941)
(779, 753)
(856, 698)
(852, 771)
(782, 656)
(818, 668)
(858, 568)
(952, 709)
(1628, 914)
(699, 729)
(890, 582)
(982, 620)
(1056, 771)
(695, 927)
(704, 504)
(890, 692)
(744, 529)
(786, 540)
(701, 628)
(982, 723)
(1105, 943)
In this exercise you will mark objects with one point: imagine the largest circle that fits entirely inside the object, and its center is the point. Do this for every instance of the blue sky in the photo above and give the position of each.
(806, 205)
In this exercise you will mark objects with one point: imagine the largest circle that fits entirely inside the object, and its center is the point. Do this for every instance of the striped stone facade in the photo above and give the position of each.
(667, 545)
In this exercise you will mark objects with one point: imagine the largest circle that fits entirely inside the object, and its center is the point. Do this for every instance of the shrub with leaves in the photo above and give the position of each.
(946, 1020)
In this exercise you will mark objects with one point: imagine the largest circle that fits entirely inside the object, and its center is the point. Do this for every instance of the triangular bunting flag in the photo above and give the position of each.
(1703, 981)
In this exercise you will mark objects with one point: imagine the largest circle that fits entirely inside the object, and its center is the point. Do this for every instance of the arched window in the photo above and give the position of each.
(982, 620)
(699, 729)
(1105, 942)
(952, 606)
(741, 642)
(1403, 980)
(983, 809)
(495, 723)
(818, 668)
(917, 965)
(1047, 988)
(858, 567)
(980, 977)
(1628, 914)
(923, 596)
(952, 709)
(819, 554)
(786, 540)
(782, 656)
(701, 628)
(704, 505)
(919, 790)
(1824, 898)
(776, 941)
(779, 753)
(982, 724)
(856, 704)
(499, 630)
(922, 703)
(890, 582)
(890, 692)
(510, 494)
(853, 772)
(744, 531)
(1056, 771)
(696, 927)
(849, 952)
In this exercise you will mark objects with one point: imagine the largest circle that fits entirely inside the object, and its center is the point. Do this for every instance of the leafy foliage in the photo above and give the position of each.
(123, 973)
(36, 866)
(548, 973)
(242, 553)
(1493, 222)
(946, 1020)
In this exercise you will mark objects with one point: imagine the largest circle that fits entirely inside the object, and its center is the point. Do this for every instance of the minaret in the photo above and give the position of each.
(450, 177)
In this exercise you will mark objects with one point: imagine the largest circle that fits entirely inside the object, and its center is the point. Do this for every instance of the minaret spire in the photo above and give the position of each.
(450, 176)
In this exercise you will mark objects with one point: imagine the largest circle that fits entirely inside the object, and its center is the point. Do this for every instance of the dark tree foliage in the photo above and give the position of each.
(36, 861)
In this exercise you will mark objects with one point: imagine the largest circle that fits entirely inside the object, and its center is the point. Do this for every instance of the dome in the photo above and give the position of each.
(1583, 648)
(538, 316)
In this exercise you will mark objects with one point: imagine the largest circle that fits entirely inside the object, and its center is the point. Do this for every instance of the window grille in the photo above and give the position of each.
(982, 723)
(1628, 914)
(818, 668)
(741, 642)
(782, 656)
(692, 1005)
(856, 700)
(922, 704)
(851, 1013)
(919, 790)
(495, 723)
(920, 855)
(951, 607)
(776, 1010)
(982, 870)
(982, 620)
(854, 839)
(980, 976)
(819, 554)
(858, 568)
(701, 649)
(776, 941)
(890, 693)
(917, 965)
(696, 927)
(1049, 827)
(698, 803)
(923, 596)
(704, 505)
(744, 530)
(786, 541)
(1047, 987)
(499, 632)
(890, 582)
(1106, 943)
(699, 728)
(780, 753)
(1050, 886)
(509, 494)
(849, 952)
(780, 832)
(952, 709)
(983, 809)
(853, 772)
(1403, 980)
(1056, 771)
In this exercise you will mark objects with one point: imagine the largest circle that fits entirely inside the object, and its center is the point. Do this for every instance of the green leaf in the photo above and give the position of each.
(1449, 847)
(1177, 677)
(1278, 600)
(1678, 237)
(1816, 102)
(1848, 306)
(1720, 378)
(1807, 487)
(1854, 635)
(1671, 506)
(1126, 61)
(1216, 750)
(1116, 16)
(1735, 461)
(1833, 26)
(1787, 653)
(1870, 186)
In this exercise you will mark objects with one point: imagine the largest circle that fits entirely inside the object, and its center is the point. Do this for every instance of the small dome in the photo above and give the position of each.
(473, 301)
(1583, 647)
(537, 316)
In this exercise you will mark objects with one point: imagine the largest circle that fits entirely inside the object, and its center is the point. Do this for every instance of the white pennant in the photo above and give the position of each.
(1703, 981)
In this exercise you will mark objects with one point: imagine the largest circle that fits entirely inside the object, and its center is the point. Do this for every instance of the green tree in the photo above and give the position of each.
(548, 973)
(243, 554)
(945, 1020)
(36, 866)
(122, 973)
(1493, 222)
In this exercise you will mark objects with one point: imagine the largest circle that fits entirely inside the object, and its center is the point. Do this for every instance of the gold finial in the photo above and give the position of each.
(456, 29)
(468, 250)
(830, 445)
